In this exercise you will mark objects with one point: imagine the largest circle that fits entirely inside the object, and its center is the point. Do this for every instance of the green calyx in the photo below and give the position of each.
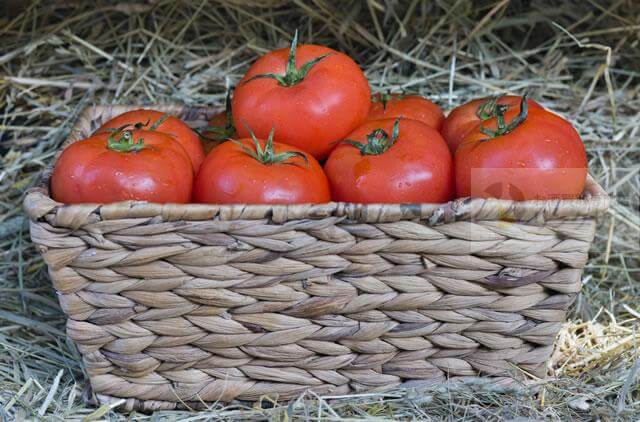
(487, 109)
(267, 155)
(122, 141)
(157, 123)
(226, 131)
(385, 97)
(378, 141)
(141, 125)
(498, 111)
(292, 75)
(121, 138)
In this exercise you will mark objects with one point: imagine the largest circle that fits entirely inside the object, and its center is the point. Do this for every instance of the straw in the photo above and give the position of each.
(58, 57)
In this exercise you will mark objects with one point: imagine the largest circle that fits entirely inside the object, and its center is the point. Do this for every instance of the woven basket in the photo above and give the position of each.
(183, 305)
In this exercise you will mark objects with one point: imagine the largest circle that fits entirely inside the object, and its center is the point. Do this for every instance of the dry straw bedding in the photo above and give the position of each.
(580, 58)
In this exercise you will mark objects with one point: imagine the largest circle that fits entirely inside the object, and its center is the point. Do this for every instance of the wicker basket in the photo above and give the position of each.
(182, 305)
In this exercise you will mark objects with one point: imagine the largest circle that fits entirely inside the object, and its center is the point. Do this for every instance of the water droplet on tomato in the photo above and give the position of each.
(403, 185)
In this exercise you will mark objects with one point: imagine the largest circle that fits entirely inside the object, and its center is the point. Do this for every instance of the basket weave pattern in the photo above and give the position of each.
(174, 305)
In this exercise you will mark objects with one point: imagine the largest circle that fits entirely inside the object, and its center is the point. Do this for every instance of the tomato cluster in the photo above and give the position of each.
(298, 107)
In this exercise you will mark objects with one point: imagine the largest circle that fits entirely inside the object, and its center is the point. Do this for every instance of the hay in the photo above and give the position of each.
(579, 58)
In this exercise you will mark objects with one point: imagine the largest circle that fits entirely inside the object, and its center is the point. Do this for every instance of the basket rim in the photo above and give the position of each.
(38, 203)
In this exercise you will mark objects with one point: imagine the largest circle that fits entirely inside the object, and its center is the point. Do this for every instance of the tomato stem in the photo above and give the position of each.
(292, 75)
(143, 125)
(227, 130)
(487, 109)
(504, 128)
(122, 141)
(158, 122)
(378, 141)
(227, 109)
(385, 97)
(382, 97)
(267, 155)
(139, 125)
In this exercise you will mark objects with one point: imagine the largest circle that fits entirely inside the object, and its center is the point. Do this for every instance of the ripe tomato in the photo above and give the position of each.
(392, 161)
(311, 95)
(156, 120)
(220, 128)
(416, 107)
(466, 117)
(535, 154)
(251, 171)
(131, 164)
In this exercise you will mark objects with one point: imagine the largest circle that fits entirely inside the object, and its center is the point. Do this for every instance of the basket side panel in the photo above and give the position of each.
(170, 311)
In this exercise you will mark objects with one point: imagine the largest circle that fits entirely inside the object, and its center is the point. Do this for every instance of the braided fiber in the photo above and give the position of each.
(176, 305)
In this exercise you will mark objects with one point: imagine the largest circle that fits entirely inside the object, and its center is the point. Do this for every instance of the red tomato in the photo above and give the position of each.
(111, 167)
(391, 161)
(146, 119)
(536, 154)
(466, 117)
(388, 106)
(312, 96)
(249, 171)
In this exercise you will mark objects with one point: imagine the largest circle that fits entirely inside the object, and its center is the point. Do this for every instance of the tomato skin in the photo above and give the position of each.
(413, 107)
(173, 126)
(542, 158)
(416, 169)
(88, 172)
(230, 176)
(331, 101)
(463, 119)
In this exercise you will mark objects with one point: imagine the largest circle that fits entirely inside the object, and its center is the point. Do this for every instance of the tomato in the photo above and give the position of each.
(466, 117)
(127, 165)
(220, 127)
(416, 107)
(391, 161)
(311, 95)
(252, 171)
(535, 154)
(152, 119)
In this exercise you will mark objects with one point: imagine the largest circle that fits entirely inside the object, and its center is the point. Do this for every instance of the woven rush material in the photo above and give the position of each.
(183, 305)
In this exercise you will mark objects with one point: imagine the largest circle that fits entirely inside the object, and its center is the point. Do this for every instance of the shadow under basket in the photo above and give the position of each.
(185, 305)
